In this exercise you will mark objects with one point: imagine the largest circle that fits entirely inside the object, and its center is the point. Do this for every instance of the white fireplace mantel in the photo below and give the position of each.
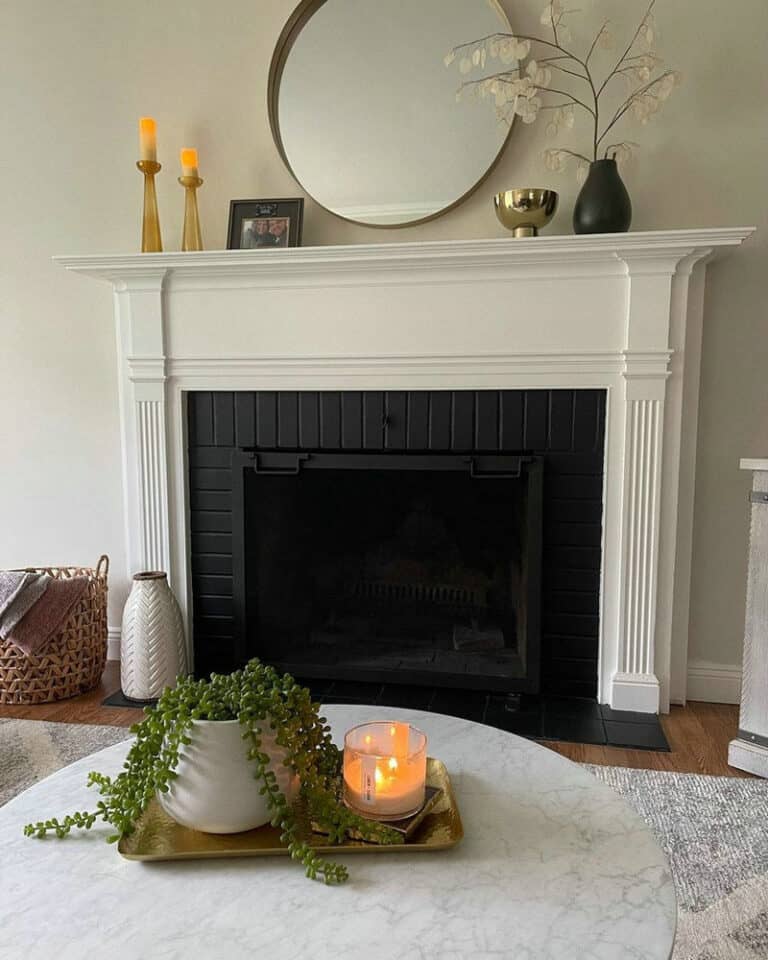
(622, 312)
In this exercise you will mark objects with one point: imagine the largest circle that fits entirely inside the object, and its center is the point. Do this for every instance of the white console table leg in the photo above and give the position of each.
(749, 751)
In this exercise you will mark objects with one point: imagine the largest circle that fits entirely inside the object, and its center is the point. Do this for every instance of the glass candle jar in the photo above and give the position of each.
(385, 769)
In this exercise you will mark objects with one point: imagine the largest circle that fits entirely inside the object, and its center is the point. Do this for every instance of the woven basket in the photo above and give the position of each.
(72, 661)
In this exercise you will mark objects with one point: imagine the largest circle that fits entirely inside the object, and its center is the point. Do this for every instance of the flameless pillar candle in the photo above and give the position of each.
(189, 162)
(385, 767)
(148, 139)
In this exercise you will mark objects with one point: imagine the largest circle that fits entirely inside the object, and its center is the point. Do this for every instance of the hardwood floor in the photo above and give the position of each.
(697, 733)
(84, 709)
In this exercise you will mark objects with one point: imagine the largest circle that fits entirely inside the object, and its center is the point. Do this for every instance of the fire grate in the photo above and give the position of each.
(385, 591)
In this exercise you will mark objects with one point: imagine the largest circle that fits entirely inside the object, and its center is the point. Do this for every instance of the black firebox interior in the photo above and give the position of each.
(392, 568)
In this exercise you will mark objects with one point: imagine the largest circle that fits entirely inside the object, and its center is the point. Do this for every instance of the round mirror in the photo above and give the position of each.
(365, 113)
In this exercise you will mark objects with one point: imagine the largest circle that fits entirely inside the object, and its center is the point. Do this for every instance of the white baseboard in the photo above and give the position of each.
(751, 757)
(638, 692)
(113, 643)
(714, 682)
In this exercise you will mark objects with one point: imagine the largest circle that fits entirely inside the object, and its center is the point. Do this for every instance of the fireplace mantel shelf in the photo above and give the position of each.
(504, 252)
(622, 313)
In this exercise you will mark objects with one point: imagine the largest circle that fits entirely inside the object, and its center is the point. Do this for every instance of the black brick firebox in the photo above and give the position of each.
(311, 461)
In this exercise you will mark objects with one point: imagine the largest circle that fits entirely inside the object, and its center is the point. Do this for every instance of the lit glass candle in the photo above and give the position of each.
(189, 162)
(385, 768)
(147, 139)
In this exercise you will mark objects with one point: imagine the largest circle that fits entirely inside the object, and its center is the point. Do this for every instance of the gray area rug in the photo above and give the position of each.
(714, 831)
(32, 749)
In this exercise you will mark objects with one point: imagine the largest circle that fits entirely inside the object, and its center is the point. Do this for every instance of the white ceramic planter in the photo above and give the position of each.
(152, 648)
(215, 790)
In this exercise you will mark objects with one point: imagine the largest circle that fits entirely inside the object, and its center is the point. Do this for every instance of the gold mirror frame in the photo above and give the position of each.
(293, 27)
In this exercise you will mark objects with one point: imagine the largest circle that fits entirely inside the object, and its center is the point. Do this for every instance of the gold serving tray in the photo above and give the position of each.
(157, 837)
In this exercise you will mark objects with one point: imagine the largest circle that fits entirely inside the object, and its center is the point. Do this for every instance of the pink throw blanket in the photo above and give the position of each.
(48, 615)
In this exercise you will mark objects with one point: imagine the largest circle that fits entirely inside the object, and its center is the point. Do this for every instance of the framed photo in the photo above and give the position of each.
(265, 224)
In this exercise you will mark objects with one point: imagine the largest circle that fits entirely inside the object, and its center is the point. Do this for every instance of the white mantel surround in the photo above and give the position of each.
(621, 312)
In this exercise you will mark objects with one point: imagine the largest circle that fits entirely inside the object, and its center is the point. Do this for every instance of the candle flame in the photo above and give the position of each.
(392, 763)
(378, 777)
(368, 739)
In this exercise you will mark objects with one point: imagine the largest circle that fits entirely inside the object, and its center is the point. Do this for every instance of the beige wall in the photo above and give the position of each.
(74, 78)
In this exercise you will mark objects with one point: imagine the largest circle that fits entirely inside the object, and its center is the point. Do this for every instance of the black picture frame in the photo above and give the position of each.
(250, 228)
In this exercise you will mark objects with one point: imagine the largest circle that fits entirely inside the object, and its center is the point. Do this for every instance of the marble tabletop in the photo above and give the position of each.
(553, 865)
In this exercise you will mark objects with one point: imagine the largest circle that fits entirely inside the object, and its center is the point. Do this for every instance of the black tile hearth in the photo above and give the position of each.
(525, 721)
(413, 698)
(573, 729)
(360, 692)
(626, 716)
(319, 689)
(119, 699)
(639, 736)
(568, 719)
(467, 704)
(574, 707)
(332, 697)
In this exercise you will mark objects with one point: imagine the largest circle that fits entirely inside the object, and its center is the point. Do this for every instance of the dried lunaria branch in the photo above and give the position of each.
(520, 84)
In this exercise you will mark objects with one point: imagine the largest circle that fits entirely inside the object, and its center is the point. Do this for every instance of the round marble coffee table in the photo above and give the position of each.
(553, 865)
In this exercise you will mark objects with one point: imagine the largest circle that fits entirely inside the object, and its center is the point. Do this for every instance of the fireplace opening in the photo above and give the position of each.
(351, 534)
(390, 568)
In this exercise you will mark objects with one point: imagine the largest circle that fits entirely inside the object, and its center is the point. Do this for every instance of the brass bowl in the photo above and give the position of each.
(526, 210)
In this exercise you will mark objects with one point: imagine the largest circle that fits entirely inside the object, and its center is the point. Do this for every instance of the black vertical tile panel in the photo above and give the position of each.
(512, 403)
(535, 422)
(287, 419)
(352, 420)
(266, 419)
(188, 411)
(373, 420)
(396, 413)
(223, 419)
(440, 420)
(560, 419)
(487, 420)
(602, 399)
(330, 420)
(418, 420)
(245, 419)
(309, 420)
(210, 478)
(210, 499)
(211, 521)
(201, 406)
(585, 419)
(462, 436)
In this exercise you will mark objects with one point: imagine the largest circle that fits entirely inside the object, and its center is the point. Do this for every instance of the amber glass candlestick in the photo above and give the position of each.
(151, 241)
(191, 238)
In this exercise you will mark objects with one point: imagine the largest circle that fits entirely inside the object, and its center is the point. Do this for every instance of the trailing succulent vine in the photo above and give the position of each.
(260, 698)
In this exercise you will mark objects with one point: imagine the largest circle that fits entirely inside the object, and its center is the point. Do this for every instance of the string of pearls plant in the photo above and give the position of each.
(257, 696)
(518, 87)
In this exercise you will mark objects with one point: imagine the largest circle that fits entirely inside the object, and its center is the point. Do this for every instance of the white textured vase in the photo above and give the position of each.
(216, 790)
(152, 648)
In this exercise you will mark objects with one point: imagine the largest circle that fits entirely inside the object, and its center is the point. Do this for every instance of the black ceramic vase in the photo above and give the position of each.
(603, 205)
